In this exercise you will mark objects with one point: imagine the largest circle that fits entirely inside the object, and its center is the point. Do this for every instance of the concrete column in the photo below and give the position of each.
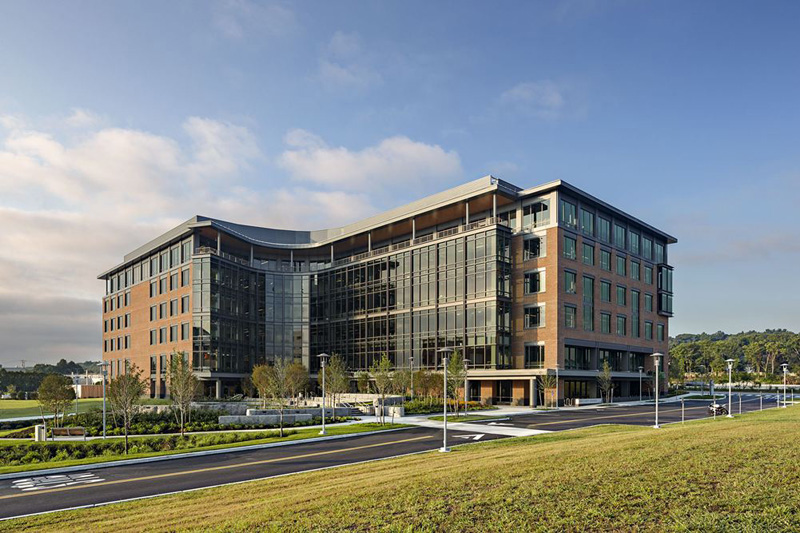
(219, 389)
(369, 241)
(251, 255)
(413, 228)
(219, 242)
(534, 392)
(291, 260)
(467, 213)
(494, 205)
(331, 254)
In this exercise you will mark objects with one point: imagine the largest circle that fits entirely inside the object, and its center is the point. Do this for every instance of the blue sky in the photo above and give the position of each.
(120, 119)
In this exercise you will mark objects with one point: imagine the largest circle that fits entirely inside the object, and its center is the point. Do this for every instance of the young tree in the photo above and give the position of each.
(55, 394)
(260, 379)
(337, 379)
(604, 382)
(362, 379)
(297, 375)
(422, 383)
(548, 382)
(455, 375)
(382, 375)
(183, 386)
(276, 385)
(125, 394)
(402, 381)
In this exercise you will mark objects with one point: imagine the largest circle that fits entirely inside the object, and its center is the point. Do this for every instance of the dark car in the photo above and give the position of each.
(717, 409)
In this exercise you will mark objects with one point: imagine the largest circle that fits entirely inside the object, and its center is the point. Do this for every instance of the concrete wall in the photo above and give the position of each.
(263, 419)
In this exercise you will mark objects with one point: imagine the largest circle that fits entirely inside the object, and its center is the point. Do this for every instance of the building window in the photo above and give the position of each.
(605, 291)
(534, 356)
(534, 316)
(153, 313)
(621, 300)
(621, 265)
(162, 285)
(648, 275)
(570, 281)
(569, 216)
(570, 316)
(570, 247)
(162, 335)
(621, 325)
(534, 282)
(185, 304)
(173, 333)
(633, 242)
(162, 310)
(577, 358)
(660, 332)
(173, 307)
(185, 331)
(605, 323)
(588, 317)
(532, 248)
(619, 236)
(153, 337)
(587, 222)
(605, 260)
(127, 341)
(659, 253)
(536, 214)
(184, 277)
(127, 299)
(635, 270)
(588, 254)
(648, 331)
(127, 320)
(647, 248)
(153, 288)
(648, 302)
(173, 282)
(604, 229)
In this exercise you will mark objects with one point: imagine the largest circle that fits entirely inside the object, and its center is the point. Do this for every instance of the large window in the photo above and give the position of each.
(534, 282)
(621, 300)
(536, 214)
(622, 325)
(659, 252)
(635, 270)
(605, 260)
(621, 265)
(534, 356)
(619, 236)
(603, 229)
(660, 332)
(533, 247)
(605, 323)
(648, 274)
(570, 281)
(588, 254)
(576, 358)
(647, 247)
(569, 215)
(570, 247)
(633, 242)
(570, 316)
(534, 316)
(648, 331)
(648, 302)
(587, 222)
(605, 291)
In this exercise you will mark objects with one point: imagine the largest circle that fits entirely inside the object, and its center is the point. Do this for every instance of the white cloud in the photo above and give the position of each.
(82, 118)
(72, 208)
(394, 162)
(542, 99)
(240, 19)
(343, 65)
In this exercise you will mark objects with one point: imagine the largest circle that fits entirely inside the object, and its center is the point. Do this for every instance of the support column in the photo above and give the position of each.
(219, 389)
(369, 241)
(467, 213)
(494, 205)
(291, 260)
(413, 228)
(534, 392)
(219, 242)
(251, 255)
(331, 254)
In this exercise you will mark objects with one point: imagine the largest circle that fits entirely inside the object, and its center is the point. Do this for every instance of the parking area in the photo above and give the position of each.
(639, 415)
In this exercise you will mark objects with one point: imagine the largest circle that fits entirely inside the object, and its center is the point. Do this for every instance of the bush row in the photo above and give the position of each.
(420, 406)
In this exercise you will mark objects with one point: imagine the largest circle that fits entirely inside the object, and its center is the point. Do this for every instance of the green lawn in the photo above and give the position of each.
(725, 475)
(19, 408)
(300, 434)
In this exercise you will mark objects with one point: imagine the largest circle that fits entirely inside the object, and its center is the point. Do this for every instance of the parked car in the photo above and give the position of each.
(717, 409)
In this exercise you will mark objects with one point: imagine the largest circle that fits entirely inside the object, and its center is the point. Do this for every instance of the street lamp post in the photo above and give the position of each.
(657, 357)
(323, 357)
(466, 398)
(730, 385)
(103, 366)
(640, 382)
(411, 361)
(556, 386)
(445, 352)
(785, 368)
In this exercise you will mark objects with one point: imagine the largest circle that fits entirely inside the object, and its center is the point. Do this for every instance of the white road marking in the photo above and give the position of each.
(476, 436)
(54, 481)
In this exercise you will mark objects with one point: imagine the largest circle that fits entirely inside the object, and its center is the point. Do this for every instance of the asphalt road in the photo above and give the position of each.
(640, 415)
(28, 495)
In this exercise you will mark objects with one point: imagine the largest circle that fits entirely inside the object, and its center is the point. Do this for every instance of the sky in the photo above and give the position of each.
(119, 120)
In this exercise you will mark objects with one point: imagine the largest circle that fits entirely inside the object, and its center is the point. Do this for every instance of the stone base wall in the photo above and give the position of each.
(263, 419)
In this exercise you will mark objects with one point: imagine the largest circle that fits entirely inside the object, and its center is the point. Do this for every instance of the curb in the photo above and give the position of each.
(126, 462)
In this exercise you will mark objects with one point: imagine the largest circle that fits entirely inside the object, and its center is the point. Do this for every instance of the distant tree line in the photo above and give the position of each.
(757, 355)
(30, 379)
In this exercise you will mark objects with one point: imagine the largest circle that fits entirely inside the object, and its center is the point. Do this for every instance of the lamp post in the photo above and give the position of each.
(103, 367)
(640, 382)
(444, 352)
(730, 385)
(657, 357)
(323, 357)
(556, 386)
(411, 361)
(466, 399)
(785, 368)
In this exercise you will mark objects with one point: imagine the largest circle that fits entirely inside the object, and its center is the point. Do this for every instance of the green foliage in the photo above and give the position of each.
(428, 405)
(56, 394)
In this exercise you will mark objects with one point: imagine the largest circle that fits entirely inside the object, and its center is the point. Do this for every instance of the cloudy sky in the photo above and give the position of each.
(119, 120)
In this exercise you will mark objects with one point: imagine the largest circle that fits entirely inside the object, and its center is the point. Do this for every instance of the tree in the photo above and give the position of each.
(455, 375)
(362, 379)
(297, 376)
(55, 394)
(402, 381)
(260, 379)
(125, 394)
(183, 386)
(548, 382)
(337, 379)
(382, 375)
(604, 382)
(273, 383)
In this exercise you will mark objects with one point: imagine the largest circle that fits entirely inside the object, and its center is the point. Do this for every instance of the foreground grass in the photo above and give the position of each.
(724, 475)
(300, 434)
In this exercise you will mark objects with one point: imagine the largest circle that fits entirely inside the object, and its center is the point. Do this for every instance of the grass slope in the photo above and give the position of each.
(723, 475)
(20, 408)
